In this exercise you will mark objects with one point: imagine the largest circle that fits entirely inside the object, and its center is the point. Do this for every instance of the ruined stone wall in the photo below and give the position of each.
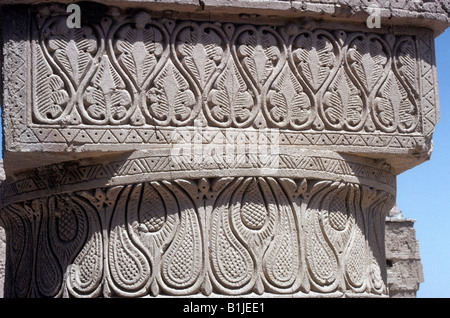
(403, 258)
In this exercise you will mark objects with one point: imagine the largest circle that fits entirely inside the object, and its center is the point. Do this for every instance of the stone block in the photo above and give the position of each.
(82, 97)
(405, 271)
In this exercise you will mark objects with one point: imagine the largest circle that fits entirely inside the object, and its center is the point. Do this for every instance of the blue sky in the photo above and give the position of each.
(424, 192)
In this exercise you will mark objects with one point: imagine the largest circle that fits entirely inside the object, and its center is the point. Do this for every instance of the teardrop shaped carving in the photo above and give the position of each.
(130, 270)
(85, 274)
(20, 249)
(254, 213)
(253, 209)
(48, 268)
(153, 218)
(68, 227)
(321, 259)
(232, 267)
(182, 263)
(281, 262)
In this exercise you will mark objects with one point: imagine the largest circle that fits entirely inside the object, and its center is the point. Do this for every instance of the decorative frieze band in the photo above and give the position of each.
(210, 236)
(144, 71)
(160, 165)
(142, 74)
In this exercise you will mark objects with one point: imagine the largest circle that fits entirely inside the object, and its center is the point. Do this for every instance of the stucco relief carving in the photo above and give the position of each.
(141, 71)
(231, 236)
(133, 81)
(176, 156)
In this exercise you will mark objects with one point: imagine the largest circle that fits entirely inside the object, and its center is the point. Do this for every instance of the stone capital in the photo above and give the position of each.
(213, 147)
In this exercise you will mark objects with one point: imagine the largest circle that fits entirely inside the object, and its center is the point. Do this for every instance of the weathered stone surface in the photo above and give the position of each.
(210, 148)
(2, 259)
(404, 270)
(429, 14)
(2, 171)
(99, 90)
(2, 241)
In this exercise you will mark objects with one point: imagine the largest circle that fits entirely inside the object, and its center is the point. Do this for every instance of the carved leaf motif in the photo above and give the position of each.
(51, 96)
(342, 104)
(314, 56)
(368, 57)
(231, 102)
(170, 99)
(287, 103)
(106, 100)
(73, 49)
(394, 108)
(406, 63)
(201, 49)
(258, 52)
(139, 47)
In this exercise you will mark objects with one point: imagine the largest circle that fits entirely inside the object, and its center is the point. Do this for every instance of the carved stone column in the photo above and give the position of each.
(221, 148)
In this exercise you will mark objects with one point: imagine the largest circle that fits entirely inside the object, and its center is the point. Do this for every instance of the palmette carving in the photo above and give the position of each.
(315, 56)
(343, 104)
(231, 236)
(105, 100)
(287, 103)
(144, 71)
